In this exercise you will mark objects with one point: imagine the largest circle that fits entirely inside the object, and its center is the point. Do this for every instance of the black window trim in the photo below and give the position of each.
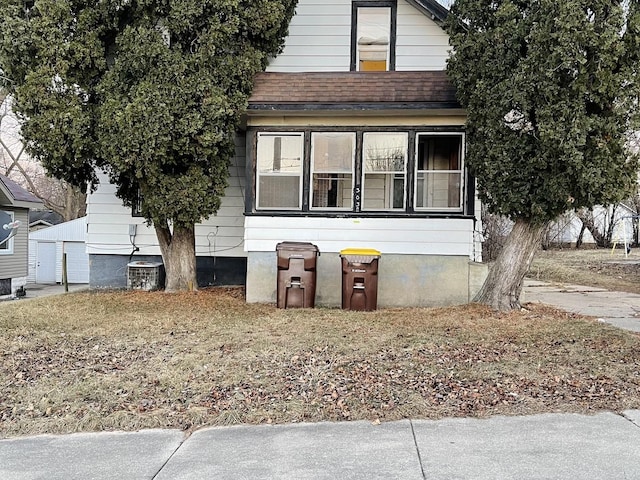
(393, 4)
(468, 192)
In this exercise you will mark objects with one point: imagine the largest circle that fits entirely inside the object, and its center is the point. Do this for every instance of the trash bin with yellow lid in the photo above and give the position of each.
(360, 278)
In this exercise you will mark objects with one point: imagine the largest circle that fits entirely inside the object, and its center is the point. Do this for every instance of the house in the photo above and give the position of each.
(39, 219)
(15, 203)
(353, 138)
(56, 246)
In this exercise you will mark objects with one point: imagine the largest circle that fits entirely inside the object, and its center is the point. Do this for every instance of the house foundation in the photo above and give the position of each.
(403, 280)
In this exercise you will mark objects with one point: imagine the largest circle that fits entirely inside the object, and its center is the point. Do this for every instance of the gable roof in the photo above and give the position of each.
(431, 8)
(335, 91)
(44, 217)
(13, 195)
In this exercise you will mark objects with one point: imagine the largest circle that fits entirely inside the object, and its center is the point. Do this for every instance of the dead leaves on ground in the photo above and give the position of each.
(262, 365)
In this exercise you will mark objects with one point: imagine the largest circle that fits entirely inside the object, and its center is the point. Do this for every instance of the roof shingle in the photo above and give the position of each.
(17, 192)
(427, 89)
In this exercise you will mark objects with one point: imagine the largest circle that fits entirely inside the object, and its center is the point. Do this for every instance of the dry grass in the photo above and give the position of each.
(605, 268)
(130, 360)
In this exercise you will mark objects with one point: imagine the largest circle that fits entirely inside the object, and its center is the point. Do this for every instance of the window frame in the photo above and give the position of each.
(460, 170)
(388, 187)
(393, 6)
(467, 198)
(7, 247)
(301, 174)
(352, 172)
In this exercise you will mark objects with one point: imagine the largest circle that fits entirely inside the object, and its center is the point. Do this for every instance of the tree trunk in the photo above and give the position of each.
(178, 249)
(502, 288)
(580, 236)
(586, 217)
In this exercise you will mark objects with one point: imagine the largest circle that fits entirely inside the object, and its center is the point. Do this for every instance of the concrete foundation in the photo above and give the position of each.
(403, 280)
(110, 271)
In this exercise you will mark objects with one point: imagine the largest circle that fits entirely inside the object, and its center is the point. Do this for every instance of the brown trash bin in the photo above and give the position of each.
(296, 274)
(360, 278)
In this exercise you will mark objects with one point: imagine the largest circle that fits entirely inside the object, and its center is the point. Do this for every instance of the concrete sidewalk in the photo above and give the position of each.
(620, 309)
(551, 446)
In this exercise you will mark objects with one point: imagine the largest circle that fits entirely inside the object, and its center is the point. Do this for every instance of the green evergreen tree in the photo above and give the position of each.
(550, 91)
(150, 91)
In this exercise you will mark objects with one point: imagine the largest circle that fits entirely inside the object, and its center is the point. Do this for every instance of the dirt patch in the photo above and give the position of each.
(130, 360)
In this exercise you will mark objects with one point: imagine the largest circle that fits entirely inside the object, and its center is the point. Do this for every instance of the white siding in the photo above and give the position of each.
(77, 262)
(33, 250)
(72, 231)
(220, 235)
(320, 39)
(426, 236)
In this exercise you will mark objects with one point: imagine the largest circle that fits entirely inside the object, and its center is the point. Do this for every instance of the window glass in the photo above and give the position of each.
(279, 170)
(384, 170)
(439, 172)
(332, 165)
(5, 245)
(373, 38)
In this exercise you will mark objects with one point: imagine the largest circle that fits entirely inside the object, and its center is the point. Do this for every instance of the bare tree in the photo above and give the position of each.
(600, 225)
(57, 195)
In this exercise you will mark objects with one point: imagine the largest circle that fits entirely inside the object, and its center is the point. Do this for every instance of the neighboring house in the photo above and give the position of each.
(15, 203)
(39, 219)
(50, 248)
(565, 230)
(353, 138)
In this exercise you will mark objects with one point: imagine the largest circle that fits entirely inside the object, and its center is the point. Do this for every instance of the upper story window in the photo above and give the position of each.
(6, 246)
(373, 36)
(279, 171)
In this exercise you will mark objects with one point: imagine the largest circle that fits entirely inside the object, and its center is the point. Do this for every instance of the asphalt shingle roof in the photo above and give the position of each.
(17, 192)
(423, 89)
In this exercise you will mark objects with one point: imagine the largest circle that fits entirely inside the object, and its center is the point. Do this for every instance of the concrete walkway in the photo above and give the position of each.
(604, 446)
(620, 309)
(37, 290)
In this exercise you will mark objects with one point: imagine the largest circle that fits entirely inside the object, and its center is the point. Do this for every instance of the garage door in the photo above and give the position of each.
(77, 262)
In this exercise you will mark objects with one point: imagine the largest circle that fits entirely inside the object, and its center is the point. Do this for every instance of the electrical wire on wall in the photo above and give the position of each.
(133, 228)
(213, 235)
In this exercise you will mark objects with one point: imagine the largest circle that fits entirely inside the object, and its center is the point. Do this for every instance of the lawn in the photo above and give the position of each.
(131, 360)
(605, 268)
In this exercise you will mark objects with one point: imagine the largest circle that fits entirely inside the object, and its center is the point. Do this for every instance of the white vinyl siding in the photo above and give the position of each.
(421, 44)
(68, 237)
(220, 235)
(420, 236)
(320, 39)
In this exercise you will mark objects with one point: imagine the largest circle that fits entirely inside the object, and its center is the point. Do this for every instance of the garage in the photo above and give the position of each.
(52, 245)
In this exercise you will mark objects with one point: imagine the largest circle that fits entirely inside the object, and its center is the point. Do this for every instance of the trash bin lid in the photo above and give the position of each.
(360, 255)
(360, 251)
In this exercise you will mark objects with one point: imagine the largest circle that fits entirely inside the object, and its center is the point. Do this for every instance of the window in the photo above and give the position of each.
(6, 243)
(353, 170)
(384, 157)
(136, 209)
(279, 170)
(332, 165)
(373, 36)
(438, 171)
